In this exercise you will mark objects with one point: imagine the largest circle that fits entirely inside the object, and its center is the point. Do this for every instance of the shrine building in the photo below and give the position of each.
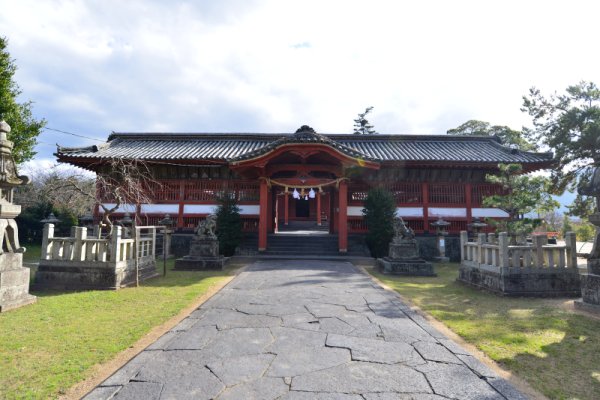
(306, 176)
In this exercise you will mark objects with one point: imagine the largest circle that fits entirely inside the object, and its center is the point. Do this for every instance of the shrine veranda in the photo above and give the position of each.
(430, 176)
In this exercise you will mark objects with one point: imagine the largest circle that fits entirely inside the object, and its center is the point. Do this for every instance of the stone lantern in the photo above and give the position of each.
(477, 225)
(441, 232)
(590, 279)
(14, 278)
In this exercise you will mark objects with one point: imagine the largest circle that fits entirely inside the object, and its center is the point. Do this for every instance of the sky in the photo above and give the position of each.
(93, 67)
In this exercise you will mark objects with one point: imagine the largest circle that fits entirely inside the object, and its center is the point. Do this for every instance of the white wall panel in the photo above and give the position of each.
(160, 209)
(447, 212)
(489, 213)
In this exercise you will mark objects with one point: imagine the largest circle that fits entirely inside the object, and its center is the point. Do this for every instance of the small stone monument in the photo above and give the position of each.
(204, 248)
(590, 280)
(403, 258)
(14, 278)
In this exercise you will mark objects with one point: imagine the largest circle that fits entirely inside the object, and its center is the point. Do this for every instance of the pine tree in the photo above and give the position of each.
(379, 213)
(24, 128)
(362, 125)
(229, 224)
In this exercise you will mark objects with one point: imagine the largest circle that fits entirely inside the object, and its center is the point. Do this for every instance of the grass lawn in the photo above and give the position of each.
(552, 348)
(47, 347)
(33, 253)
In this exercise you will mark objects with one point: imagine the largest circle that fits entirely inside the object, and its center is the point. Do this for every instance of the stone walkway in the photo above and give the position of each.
(304, 330)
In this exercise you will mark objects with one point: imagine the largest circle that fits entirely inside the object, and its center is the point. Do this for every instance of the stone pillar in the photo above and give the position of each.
(14, 279)
(263, 216)
(343, 217)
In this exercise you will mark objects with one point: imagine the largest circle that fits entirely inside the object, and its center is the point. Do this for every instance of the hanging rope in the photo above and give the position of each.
(320, 186)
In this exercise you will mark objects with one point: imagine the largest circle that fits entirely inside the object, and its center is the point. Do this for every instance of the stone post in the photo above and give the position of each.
(538, 242)
(115, 245)
(480, 251)
(80, 236)
(571, 243)
(14, 278)
(503, 261)
(46, 247)
(464, 238)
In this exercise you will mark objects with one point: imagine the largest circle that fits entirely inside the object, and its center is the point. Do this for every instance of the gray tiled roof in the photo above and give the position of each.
(238, 146)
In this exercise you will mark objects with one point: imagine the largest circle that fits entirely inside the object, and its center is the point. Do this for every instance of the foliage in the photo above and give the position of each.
(566, 226)
(539, 340)
(24, 127)
(49, 346)
(119, 181)
(585, 232)
(568, 124)
(30, 227)
(522, 195)
(379, 213)
(506, 135)
(362, 125)
(229, 224)
(48, 187)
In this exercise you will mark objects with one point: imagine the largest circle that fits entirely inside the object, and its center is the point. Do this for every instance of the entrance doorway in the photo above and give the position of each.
(302, 208)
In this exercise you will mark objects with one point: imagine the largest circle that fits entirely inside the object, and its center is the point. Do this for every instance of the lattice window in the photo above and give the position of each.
(446, 194)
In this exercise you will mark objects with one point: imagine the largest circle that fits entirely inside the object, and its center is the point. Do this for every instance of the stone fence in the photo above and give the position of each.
(82, 262)
(538, 269)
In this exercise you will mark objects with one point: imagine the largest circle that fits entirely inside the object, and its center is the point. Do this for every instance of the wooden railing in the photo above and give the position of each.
(480, 191)
(446, 193)
(175, 190)
(118, 247)
(491, 251)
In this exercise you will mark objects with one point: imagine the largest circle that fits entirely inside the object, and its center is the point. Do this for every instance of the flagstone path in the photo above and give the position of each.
(304, 330)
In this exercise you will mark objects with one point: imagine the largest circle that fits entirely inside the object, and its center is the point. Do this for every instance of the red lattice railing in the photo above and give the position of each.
(404, 193)
(481, 191)
(446, 193)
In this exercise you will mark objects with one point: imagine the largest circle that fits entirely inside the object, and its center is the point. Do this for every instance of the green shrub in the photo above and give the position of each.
(585, 232)
(379, 213)
(229, 224)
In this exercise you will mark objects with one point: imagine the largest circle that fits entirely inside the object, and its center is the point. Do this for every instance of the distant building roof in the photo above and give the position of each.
(226, 147)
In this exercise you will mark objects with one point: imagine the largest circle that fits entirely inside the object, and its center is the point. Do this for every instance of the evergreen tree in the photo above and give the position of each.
(362, 125)
(569, 125)
(506, 135)
(566, 226)
(24, 128)
(379, 213)
(229, 224)
(522, 195)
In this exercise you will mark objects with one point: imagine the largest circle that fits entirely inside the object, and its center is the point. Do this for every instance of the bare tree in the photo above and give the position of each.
(118, 182)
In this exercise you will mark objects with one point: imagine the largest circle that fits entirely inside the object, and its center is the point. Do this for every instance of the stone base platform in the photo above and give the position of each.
(531, 282)
(590, 293)
(92, 275)
(198, 264)
(406, 266)
(14, 282)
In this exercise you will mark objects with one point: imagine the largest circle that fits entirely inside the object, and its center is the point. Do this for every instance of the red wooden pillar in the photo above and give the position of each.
(318, 208)
(286, 208)
(270, 218)
(343, 217)
(469, 202)
(181, 204)
(425, 190)
(263, 216)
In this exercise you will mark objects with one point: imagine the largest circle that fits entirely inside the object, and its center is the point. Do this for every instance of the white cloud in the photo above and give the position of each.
(274, 65)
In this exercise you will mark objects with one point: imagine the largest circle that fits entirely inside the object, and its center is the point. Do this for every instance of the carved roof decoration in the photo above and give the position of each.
(304, 135)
